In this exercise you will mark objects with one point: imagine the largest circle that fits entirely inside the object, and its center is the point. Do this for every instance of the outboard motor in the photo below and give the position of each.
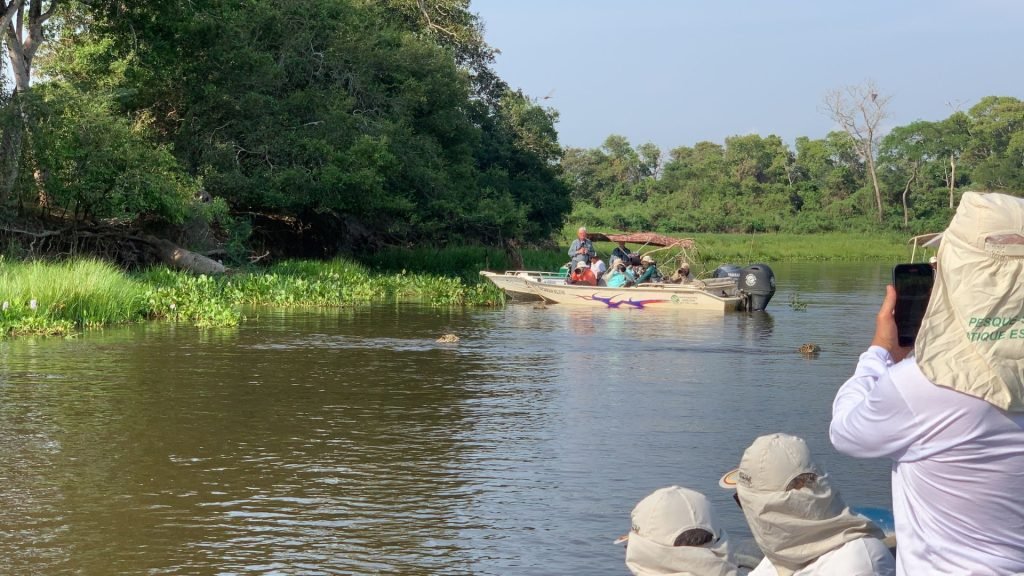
(727, 271)
(757, 283)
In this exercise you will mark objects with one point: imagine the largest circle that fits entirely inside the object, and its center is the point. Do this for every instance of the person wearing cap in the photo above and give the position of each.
(616, 275)
(798, 519)
(650, 270)
(581, 249)
(582, 274)
(676, 533)
(949, 412)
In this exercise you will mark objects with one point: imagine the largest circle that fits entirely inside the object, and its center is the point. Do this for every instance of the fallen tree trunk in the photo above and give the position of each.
(111, 243)
(178, 257)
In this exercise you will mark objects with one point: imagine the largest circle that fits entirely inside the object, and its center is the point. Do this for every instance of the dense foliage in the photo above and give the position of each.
(352, 121)
(322, 126)
(759, 184)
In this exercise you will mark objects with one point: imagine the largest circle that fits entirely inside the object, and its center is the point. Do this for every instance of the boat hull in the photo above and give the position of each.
(519, 284)
(652, 296)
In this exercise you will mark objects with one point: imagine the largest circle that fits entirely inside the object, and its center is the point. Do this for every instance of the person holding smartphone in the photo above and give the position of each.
(949, 410)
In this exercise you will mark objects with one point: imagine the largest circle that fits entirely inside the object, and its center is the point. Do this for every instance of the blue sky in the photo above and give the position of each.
(675, 72)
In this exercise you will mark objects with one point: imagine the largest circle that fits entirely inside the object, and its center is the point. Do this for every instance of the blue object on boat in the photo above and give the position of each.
(882, 517)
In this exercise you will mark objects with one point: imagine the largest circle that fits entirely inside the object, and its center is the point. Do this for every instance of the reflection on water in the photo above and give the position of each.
(349, 441)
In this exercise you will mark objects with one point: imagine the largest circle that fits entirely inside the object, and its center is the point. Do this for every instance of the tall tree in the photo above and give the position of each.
(904, 150)
(954, 136)
(22, 30)
(859, 111)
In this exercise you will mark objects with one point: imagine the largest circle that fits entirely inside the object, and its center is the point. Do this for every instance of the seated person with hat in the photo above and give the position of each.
(616, 275)
(675, 532)
(682, 275)
(650, 270)
(582, 274)
(798, 519)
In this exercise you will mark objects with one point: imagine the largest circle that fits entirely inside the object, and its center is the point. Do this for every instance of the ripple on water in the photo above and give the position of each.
(350, 442)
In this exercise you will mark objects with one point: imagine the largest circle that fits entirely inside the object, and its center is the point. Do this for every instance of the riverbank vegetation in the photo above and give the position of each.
(60, 298)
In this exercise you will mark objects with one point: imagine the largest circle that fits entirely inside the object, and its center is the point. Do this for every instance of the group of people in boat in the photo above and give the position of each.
(947, 412)
(625, 269)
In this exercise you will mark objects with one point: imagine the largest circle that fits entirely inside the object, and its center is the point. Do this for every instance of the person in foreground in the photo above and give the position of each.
(798, 519)
(951, 416)
(675, 533)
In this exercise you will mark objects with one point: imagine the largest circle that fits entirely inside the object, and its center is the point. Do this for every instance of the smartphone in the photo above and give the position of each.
(913, 283)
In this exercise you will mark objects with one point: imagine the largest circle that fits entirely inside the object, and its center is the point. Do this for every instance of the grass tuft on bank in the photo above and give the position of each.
(55, 298)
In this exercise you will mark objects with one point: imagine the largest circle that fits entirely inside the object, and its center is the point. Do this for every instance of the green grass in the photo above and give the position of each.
(56, 298)
(834, 246)
(60, 297)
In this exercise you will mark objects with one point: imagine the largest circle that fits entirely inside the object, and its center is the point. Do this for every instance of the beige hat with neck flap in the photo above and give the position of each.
(972, 335)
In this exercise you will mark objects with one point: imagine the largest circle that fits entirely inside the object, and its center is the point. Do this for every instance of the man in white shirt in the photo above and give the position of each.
(798, 520)
(951, 416)
(599, 268)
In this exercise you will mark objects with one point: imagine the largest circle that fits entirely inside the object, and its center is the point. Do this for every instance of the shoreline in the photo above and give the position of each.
(63, 298)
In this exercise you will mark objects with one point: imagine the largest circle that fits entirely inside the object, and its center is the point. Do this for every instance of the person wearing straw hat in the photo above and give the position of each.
(949, 412)
(674, 532)
(798, 519)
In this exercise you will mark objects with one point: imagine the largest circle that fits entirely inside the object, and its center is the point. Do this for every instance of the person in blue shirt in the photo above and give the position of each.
(582, 249)
(620, 252)
(616, 276)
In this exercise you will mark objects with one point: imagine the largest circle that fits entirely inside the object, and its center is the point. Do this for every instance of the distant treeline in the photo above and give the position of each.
(759, 184)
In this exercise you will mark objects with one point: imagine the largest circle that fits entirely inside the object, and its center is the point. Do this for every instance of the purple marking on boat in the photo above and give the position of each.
(608, 301)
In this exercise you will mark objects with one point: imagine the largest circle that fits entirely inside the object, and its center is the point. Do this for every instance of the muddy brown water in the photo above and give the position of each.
(350, 442)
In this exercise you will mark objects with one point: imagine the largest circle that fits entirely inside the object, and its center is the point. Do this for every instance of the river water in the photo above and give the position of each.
(347, 441)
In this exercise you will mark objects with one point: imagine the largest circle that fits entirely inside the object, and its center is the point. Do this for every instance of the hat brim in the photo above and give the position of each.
(728, 480)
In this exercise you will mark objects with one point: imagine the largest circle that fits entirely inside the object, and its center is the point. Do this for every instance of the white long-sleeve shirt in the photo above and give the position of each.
(860, 557)
(958, 467)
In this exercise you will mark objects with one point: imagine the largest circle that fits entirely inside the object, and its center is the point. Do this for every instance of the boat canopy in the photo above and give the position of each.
(924, 241)
(646, 238)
